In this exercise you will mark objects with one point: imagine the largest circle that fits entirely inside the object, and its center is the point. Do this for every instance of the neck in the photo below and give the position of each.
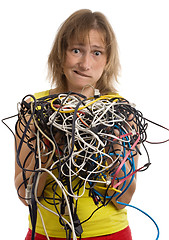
(87, 91)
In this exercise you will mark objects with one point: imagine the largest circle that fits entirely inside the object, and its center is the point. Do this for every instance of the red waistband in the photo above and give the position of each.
(124, 234)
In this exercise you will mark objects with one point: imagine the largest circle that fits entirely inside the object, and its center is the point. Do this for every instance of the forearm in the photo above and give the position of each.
(26, 157)
(20, 185)
(126, 196)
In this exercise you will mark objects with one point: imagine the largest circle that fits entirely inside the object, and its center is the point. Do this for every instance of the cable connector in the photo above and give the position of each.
(96, 200)
(28, 192)
(108, 180)
(64, 208)
(77, 224)
(133, 130)
(96, 93)
(132, 104)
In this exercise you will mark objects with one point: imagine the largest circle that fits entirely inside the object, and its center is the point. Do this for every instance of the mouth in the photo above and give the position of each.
(80, 73)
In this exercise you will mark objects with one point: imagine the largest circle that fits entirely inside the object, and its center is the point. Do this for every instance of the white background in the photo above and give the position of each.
(27, 32)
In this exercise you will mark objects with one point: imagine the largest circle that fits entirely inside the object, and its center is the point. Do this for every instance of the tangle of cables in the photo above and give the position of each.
(88, 142)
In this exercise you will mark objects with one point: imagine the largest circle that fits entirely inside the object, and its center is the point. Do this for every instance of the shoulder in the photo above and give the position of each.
(42, 94)
(46, 93)
(115, 94)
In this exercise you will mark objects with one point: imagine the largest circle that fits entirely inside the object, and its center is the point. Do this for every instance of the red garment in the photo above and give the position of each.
(124, 234)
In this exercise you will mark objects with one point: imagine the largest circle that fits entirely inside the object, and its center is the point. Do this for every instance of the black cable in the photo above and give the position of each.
(93, 161)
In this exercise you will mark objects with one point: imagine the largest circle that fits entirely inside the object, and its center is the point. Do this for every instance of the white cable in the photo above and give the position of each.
(90, 140)
(65, 196)
(43, 224)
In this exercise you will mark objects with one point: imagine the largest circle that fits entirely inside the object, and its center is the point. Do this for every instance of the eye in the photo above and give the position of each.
(76, 51)
(97, 53)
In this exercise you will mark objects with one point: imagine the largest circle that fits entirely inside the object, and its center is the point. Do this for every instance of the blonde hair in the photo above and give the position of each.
(78, 25)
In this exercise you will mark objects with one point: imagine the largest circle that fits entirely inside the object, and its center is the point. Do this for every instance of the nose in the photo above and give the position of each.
(85, 62)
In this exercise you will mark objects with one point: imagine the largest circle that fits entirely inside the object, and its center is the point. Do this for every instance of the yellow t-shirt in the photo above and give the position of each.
(106, 220)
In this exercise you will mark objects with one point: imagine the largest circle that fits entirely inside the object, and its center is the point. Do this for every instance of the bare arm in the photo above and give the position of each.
(126, 196)
(26, 153)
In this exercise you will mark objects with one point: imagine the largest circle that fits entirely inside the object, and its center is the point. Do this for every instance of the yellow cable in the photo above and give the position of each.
(88, 104)
(111, 188)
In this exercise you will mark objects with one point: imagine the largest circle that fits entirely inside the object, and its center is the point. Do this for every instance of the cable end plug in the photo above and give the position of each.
(28, 192)
(96, 93)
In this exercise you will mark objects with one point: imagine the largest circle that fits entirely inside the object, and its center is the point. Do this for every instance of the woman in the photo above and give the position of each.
(84, 54)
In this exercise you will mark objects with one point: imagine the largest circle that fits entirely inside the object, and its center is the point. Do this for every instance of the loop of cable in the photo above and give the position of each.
(87, 141)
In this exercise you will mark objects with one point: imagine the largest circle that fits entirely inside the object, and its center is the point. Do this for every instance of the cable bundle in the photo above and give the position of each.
(87, 141)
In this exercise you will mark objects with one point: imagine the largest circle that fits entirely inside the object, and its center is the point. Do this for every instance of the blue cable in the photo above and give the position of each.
(128, 205)
(132, 163)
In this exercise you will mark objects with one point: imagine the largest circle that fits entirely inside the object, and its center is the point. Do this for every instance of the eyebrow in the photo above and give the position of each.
(92, 46)
(99, 47)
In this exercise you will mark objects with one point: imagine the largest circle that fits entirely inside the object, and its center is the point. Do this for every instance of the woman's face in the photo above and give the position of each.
(85, 62)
